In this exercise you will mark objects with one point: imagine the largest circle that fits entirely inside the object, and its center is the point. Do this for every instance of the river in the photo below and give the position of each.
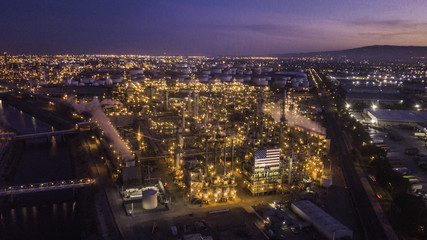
(47, 215)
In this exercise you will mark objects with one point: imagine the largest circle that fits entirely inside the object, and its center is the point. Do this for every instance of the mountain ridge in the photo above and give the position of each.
(373, 52)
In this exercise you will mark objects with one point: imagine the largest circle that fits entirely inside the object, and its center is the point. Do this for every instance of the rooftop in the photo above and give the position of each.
(399, 115)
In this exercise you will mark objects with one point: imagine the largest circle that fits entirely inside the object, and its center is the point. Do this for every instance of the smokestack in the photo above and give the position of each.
(215, 154)
(225, 160)
(206, 156)
(207, 111)
(166, 100)
(213, 111)
(176, 158)
(180, 139)
(290, 168)
(189, 101)
(196, 104)
(183, 117)
(283, 118)
(232, 156)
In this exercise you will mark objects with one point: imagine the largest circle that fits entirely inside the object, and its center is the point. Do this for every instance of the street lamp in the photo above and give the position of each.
(417, 106)
(374, 107)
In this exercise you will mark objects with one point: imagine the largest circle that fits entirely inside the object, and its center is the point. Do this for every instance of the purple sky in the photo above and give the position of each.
(206, 27)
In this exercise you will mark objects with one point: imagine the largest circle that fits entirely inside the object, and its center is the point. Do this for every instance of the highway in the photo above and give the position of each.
(371, 225)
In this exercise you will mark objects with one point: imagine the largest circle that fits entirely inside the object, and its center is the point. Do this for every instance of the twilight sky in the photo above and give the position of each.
(208, 27)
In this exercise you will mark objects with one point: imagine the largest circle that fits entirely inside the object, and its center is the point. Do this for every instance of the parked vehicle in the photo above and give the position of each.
(411, 151)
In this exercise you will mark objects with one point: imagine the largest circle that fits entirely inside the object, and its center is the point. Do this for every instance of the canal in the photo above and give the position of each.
(46, 215)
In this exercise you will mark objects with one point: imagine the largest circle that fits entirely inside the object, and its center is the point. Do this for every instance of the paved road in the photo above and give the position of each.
(371, 226)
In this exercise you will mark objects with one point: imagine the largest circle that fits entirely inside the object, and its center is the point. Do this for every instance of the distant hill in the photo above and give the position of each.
(377, 52)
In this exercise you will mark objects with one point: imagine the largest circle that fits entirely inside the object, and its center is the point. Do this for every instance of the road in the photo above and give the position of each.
(371, 225)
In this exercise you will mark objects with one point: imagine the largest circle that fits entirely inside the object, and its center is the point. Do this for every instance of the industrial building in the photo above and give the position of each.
(393, 117)
(263, 171)
(323, 222)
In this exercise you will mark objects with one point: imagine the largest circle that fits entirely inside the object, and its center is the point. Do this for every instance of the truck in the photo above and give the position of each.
(385, 147)
(416, 187)
(413, 180)
(402, 170)
(395, 163)
(411, 151)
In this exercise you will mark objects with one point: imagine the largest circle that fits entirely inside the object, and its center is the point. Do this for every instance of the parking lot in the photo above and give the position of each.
(397, 139)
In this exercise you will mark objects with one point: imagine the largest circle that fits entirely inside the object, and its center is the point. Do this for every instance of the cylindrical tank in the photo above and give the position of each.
(225, 191)
(216, 70)
(326, 181)
(232, 191)
(205, 194)
(149, 199)
(136, 71)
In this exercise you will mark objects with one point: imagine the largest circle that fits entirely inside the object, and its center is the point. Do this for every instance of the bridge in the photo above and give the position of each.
(46, 186)
(44, 134)
(7, 135)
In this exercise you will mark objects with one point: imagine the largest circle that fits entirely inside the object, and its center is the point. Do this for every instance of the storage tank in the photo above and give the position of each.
(213, 80)
(216, 70)
(67, 81)
(226, 71)
(135, 71)
(181, 65)
(117, 79)
(205, 195)
(215, 192)
(203, 79)
(149, 199)
(87, 80)
(108, 82)
(239, 79)
(326, 181)
(226, 78)
(225, 191)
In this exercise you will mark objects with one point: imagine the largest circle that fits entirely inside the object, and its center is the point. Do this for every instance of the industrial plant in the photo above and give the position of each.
(174, 137)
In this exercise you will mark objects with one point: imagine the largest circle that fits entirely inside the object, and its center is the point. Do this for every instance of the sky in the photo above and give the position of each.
(207, 27)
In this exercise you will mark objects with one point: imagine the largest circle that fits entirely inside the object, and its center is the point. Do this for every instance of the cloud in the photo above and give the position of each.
(386, 35)
(392, 23)
(278, 30)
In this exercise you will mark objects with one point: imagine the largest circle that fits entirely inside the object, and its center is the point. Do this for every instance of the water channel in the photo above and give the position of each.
(46, 215)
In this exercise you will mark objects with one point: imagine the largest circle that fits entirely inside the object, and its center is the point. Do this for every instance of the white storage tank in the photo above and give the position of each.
(203, 79)
(108, 82)
(149, 199)
(117, 79)
(239, 79)
(67, 81)
(225, 192)
(216, 70)
(326, 181)
(181, 65)
(213, 80)
(135, 71)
